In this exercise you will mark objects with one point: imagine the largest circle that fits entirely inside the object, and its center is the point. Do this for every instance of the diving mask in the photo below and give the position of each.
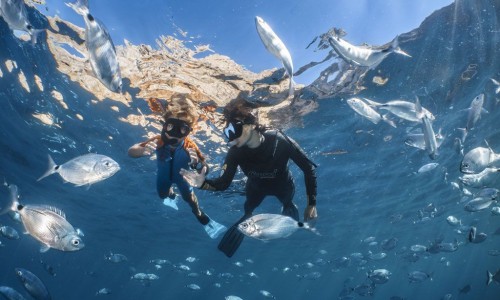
(233, 130)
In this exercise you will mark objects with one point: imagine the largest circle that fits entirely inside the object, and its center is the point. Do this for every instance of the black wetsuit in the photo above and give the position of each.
(267, 170)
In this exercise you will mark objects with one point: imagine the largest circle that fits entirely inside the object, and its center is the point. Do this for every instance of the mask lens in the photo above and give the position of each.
(176, 128)
(233, 130)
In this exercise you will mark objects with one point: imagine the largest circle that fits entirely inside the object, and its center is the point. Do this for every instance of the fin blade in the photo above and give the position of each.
(50, 170)
(231, 241)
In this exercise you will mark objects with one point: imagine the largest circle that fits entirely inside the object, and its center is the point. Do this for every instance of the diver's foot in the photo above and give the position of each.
(214, 229)
(171, 202)
(291, 211)
(203, 218)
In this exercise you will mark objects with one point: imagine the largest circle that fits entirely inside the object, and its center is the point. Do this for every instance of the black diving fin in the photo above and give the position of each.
(231, 241)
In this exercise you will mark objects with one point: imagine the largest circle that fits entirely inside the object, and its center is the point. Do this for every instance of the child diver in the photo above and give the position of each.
(176, 151)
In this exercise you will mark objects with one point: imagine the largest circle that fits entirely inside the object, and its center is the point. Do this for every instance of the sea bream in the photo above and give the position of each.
(35, 287)
(431, 144)
(277, 48)
(101, 49)
(363, 56)
(271, 226)
(83, 170)
(402, 109)
(14, 13)
(478, 159)
(46, 224)
(475, 109)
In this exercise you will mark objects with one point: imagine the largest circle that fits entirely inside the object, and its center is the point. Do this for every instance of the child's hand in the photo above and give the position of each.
(194, 178)
(193, 156)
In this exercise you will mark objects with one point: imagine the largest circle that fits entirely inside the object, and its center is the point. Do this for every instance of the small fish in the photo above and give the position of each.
(497, 90)
(418, 248)
(9, 232)
(493, 277)
(14, 13)
(427, 167)
(478, 159)
(402, 109)
(480, 179)
(232, 297)
(115, 257)
(84, 170)
(418, 276)
(10, 293)
(431, 144)
(193, 287)
(364, 110)
(102, 52)
(475, 109)
(417, 140)
(495, 210)
(448, 247)
(277, 48)
(377, 256)
(491, 193)
(478, 204)
(453, 221)
(46, 224)
(267, 294)
(33, 284)
(103, 291)
(271, 226)
(475, 237)
(389, 244)
(379, 276)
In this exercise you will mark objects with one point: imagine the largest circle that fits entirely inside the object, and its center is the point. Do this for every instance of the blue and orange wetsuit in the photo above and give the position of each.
(170, 160)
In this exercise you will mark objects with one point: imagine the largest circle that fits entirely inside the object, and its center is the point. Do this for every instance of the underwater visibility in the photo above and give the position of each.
(169, 171)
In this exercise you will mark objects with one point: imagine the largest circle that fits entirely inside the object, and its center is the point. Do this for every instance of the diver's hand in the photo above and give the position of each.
(310, 213)
(194, 178)
(193, 156)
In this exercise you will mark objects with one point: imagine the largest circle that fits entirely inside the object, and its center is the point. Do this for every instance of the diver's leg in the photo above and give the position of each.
(285, 195)
(163, 180)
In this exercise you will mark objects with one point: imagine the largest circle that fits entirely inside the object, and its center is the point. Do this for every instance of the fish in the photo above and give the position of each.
(362, 55)
(389, 244)
(86, 169)
(402, 109)
(431, 144)
(193, 287)
(379, 276)
(478, 204)
(495, 210)
(15, 15)
(497, 90)
(115, 257)
(267, 294)
(10, 293)
(427, 167)
(102, 52)
(277, 48)
(475, 237)
(103, 291)
(417, 140)
(493, 277)
(480, 179)
(232, 297)
(475, 109)
(448, 247)
(271, 226)
(46, 224)
(478, 159)
(419, 276)
(9, 232)
(35, 287)
(364, 110)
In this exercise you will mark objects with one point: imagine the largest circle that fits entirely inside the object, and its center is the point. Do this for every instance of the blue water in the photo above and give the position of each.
(367, 186)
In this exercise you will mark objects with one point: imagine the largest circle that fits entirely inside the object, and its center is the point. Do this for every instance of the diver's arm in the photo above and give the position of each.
(229, 169)
(308, 167)
(154, 138)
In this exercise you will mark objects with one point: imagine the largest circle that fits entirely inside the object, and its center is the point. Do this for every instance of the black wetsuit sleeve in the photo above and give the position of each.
(229, 168)
(299, 157)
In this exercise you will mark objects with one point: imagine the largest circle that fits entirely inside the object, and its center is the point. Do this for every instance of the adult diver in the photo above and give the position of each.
(262, 154)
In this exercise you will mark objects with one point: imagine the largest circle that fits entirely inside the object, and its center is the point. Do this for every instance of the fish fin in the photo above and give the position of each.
(490, 278)
(14, 196)
(291, 88)
(34, 35)
(418, 108)
(55, 210)
(44, 248)
(484, 111)
(231, 240)
(388, 121)
(53, 168)
(81, 7)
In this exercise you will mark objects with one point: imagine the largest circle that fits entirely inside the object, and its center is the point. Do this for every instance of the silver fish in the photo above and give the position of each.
(101, 49)
(9, 232)
(103, 291)
(33, 284)
(497, 90)
(84, 170)
(495, 210)
(431, 144)
(417, 140)
(10, 293)
(478, 159)
(271, 226)
(480, 179)
(362, 55)
(277, 48)
(448, 247)
(402, 109)
(475, 237)
(493, 277)
(478, 204)
(418, 276)
(379, 276)
(453, 221)
(364, 110)
(115, 257)
(427, 167)
(46, 224)
(15, 14)
(475, 109)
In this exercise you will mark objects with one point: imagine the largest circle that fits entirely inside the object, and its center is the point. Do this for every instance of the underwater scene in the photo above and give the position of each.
(260, 150)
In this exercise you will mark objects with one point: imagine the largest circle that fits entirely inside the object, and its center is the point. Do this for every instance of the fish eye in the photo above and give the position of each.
(29, 27)
(76, 242)
(465, 165)
(244, 225)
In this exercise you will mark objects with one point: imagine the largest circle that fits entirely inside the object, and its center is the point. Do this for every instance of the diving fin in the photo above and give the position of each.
(214, 229)
(171, 202)
(231, 240)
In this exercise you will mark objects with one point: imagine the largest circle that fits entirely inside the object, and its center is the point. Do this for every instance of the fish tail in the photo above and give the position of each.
(291, 89)
(490, 277)
(81, 7)
(53, 168)
(34, 35)
(309, 227)
(14, 196)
